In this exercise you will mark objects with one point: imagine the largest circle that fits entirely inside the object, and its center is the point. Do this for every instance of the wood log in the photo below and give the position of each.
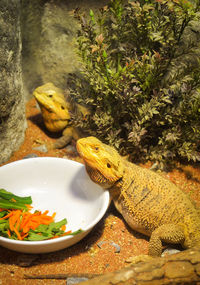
(180, 268)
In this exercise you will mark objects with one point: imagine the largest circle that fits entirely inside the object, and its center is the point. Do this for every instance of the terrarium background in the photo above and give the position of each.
(47, 30)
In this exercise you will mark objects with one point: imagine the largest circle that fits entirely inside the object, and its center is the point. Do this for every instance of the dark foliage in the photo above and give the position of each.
(140, 78)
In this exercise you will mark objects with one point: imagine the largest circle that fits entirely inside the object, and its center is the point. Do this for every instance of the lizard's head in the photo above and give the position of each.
(54, 108)
(103, 163)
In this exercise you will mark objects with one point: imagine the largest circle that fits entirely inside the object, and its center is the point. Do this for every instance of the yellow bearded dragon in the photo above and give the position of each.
(149, 203)
(56, 113)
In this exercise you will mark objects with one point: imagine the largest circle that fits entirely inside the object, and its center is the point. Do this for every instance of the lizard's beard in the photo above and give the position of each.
(98, 178)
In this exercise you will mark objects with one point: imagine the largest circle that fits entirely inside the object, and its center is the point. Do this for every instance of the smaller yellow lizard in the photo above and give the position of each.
(56, 113)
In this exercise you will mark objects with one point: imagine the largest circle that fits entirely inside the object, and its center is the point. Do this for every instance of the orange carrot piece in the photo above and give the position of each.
(66, 233)
(34, 220)
(29, 207)
(25, 219)
(7, 216)
(17, 225)
(63, 228)
(46, 212)
(17, 233)
(53, 216)
(13, 200)
(54, 237)
(13, 219)
(23, 236)
(8, 232)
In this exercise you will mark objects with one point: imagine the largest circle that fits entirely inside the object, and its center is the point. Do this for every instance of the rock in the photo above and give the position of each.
(75, 280)
(71, 150)
(12, 105)
(117, 247)
(41, 148)
(169, 251)
(49, 30)
(30, 155)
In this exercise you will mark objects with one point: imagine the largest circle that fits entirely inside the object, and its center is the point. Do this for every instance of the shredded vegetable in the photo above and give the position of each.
(17, 222)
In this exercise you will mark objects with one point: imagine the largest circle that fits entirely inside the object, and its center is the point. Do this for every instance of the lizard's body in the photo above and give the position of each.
(149, 203)
(56, 112)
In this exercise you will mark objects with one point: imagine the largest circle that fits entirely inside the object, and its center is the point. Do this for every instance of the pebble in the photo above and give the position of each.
(41, 148)
(169, 251)
(117, 247)
(70, 149)
(75, 280)
(30, 155)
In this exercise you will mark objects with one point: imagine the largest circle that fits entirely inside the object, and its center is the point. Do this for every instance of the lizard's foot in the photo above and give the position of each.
(138, 258)
(169, 233)
(62, 142)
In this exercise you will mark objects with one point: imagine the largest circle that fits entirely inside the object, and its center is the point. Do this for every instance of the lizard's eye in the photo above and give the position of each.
(50, 95)
(96, 148)
(62, 107)
(108, 165)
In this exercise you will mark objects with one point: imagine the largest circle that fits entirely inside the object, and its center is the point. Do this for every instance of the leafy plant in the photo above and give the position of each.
(140, 78)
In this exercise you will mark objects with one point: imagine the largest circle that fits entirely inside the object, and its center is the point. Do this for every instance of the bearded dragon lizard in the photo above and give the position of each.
(149, 203)
(56, 113)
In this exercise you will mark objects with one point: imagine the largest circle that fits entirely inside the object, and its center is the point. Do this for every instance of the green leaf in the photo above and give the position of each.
(33, 236)
(5, 204)
(9, 196)
(43, 232)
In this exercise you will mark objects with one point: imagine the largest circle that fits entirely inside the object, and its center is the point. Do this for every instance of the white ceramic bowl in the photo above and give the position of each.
(58, 185)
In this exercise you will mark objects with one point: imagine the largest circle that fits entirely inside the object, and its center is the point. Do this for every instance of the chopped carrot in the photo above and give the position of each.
(45, 213)
(25, 220)
(8, 232)
(20, 222)
(7, 216)
(66, 233)
(13, 200)
(54, 214)
(17, 233)
(32, 221)
(13, 219)
(24, 235)
(29, 206)
(63, 228)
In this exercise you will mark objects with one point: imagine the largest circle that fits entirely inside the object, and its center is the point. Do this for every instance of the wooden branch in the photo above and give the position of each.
(60, 276)
(180, 268)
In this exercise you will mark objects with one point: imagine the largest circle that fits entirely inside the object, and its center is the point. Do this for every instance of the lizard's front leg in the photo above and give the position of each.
(169, 233)
(65, 139)
(68, 135)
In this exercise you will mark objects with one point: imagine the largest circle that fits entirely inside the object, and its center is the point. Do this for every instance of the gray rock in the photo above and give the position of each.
(49, 30)
(30, 155)
(41, 148)
(75, 280)
(12, 106)
(169, 251)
